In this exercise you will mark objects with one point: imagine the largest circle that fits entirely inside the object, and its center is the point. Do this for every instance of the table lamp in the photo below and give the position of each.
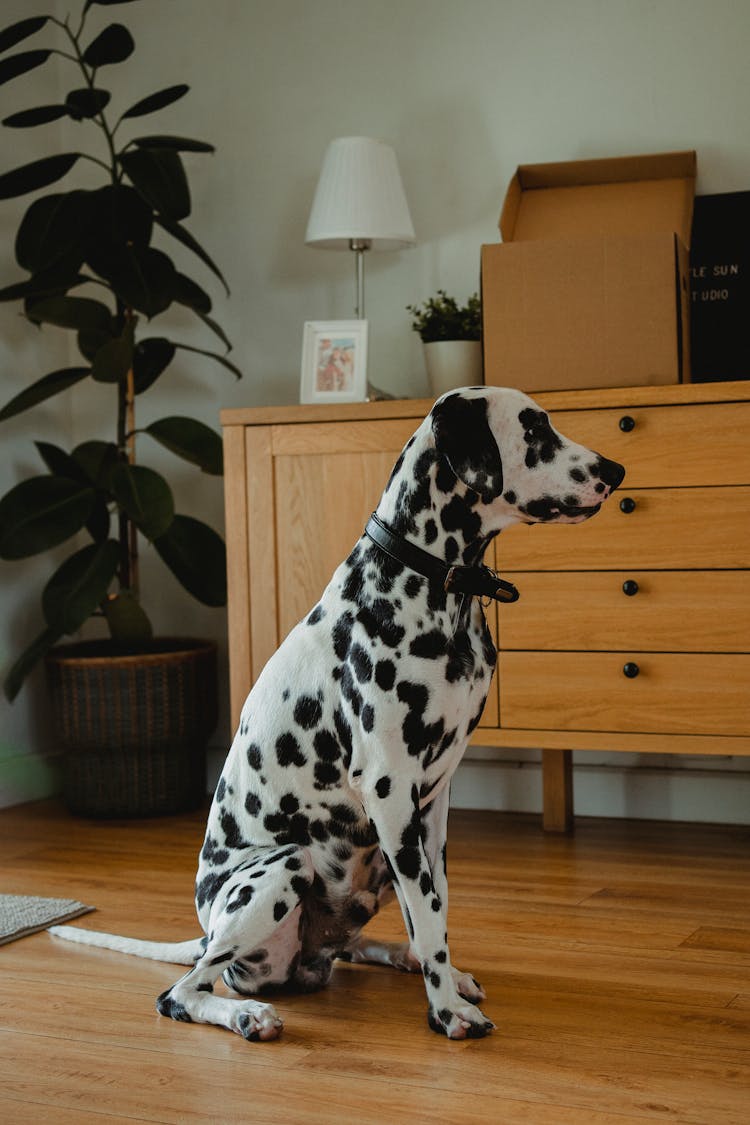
(360, 204)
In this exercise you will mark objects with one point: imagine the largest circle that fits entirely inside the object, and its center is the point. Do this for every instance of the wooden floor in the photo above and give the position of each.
(617, 966)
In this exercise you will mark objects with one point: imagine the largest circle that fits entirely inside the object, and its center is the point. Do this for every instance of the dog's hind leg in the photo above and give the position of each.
(254, 921)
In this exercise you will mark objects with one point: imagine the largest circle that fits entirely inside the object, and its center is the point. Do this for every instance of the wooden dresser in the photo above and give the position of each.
(632, 631)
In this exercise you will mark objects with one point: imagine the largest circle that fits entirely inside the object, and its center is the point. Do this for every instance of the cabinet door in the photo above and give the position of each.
(310, 489)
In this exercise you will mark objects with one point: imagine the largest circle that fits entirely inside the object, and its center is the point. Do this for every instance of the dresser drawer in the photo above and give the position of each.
(668, 445)
(673, 693)
(667, 611)
(668, 529)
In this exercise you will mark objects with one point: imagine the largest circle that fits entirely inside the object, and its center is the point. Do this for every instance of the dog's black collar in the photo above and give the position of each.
(477, 581)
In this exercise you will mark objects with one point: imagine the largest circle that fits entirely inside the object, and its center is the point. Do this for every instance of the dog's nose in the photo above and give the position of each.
(609, 472)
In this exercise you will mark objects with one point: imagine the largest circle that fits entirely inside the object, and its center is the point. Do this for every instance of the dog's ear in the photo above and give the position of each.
(463, 436)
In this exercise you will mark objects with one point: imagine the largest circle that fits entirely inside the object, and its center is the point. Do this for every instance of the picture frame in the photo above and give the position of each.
(334, 361)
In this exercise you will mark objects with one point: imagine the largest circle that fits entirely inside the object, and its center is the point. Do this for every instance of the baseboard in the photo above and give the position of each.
(28, 777)
(642, 792)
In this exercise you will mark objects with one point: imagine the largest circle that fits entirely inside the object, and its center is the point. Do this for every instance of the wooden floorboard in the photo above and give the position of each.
(616, 961)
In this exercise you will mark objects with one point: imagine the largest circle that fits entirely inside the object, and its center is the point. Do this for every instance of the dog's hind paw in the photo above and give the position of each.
(466, 1022)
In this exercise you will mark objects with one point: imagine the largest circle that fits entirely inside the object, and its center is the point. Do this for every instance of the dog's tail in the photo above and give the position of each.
(177, 952)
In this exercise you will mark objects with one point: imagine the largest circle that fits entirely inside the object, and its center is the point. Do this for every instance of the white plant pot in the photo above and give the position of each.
(453, 363)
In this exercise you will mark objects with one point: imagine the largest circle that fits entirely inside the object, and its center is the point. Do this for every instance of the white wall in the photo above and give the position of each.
(464, 92)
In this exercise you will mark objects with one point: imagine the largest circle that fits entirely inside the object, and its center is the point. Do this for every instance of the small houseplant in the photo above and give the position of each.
(91, 268)
(451, 334)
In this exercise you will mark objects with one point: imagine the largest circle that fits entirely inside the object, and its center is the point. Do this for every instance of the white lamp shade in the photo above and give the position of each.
(360, 196)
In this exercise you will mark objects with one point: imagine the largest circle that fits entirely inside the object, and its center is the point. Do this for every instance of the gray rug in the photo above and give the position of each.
(24, 914)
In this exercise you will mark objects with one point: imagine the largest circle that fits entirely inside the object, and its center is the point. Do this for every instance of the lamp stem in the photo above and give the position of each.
(359, 245)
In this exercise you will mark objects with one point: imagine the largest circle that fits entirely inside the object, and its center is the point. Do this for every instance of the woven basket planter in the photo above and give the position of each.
(134, 726)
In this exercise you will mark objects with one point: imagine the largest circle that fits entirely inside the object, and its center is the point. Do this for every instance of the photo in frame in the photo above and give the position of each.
(334, 361)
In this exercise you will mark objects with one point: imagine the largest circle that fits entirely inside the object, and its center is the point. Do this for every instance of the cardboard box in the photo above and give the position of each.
(590, 287)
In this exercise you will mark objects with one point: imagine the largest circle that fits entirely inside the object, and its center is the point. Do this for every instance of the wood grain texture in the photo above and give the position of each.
(238, 568)
(670, 529)
(615, 964)
(672, 693)
(673, 611)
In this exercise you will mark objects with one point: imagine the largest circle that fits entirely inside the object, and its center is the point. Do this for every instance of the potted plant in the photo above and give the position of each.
(134, 711)
(451, 334)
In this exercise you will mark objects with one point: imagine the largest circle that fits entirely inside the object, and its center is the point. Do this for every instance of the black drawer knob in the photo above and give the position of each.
(630, 587)
(627, 505)
(630, 669)
(627, 423)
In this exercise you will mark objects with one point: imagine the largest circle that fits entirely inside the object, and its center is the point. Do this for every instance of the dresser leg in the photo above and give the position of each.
(557, 782)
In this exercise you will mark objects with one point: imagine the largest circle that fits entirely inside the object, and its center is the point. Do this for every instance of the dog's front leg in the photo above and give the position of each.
(400, 830)
(435, 821)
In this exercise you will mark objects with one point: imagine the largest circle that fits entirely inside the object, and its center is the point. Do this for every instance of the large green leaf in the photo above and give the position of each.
(40, 115)
(82, 313)
(79, 586)
(150, 357)
(112, 45)
(119, 215)
(185, 237)
(98, 460)
(156, 101)
(86, 102)
(52, 229)
(192, 440)
(21, 63)
(187, 292)
(104, 3)
(52, 282)
(114, 359)
(21, 30)
(44, 388)
(38, 174)
(145, 497)
(127, 619)
(177, 144)
(60, 463)
(212, 355)
(197, 557)
(142, 277)
(41, 512)
(38, 648)
(160, 178)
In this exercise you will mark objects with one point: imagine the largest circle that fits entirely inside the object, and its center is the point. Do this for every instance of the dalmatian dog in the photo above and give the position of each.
(334, 794)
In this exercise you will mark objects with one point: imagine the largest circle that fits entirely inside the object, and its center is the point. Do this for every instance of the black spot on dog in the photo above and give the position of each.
(239, 899)
(385, 674)
(430, 531)
(430, 645)
(280, 908)
(254, 756)
(361, 663)
(383, 786)
(231, 829)
(456, 516)
(326, 746)
(307, 712)
(542, 441)
(317, 615)
(416, 733)
(288, 752)
(367, 718)
(412, 586)
(342, 635)
(212, 853)
(253, 804)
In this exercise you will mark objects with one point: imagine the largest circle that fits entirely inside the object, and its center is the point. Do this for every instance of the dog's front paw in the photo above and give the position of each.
(467, 986)
(463, 1022)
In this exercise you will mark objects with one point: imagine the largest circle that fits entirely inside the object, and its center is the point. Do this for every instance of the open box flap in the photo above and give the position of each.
(621, 195)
